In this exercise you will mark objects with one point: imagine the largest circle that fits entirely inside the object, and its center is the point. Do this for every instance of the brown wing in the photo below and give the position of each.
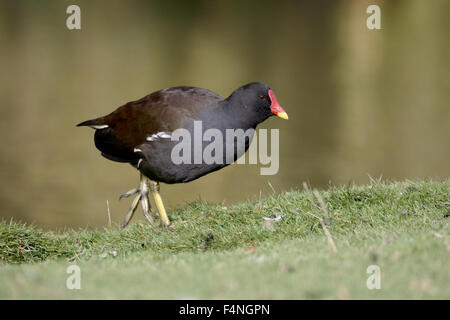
(161, 111)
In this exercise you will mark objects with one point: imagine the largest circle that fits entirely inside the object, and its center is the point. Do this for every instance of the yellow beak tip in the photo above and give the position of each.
(283, 115)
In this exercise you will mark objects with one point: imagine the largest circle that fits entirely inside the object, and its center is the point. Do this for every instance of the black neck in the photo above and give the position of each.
(236, 113)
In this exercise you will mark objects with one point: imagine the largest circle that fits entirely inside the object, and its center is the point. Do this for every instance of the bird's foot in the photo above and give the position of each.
(142, 196)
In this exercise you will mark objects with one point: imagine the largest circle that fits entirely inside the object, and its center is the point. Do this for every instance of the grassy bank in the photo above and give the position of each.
(233, 252)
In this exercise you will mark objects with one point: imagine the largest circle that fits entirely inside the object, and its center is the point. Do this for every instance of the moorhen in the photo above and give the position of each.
(141, 133)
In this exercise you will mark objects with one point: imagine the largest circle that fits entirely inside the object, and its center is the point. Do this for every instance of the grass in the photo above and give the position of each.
(217, 252)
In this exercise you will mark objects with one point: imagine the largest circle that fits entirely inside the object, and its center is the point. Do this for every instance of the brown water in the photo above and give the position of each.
(360, 102)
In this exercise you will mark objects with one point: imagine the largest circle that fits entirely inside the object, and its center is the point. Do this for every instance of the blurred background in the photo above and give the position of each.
(360, 102)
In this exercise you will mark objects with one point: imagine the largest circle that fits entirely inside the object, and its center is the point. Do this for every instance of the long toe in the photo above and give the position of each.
(131, 211)
(145, 204)
(130, 193)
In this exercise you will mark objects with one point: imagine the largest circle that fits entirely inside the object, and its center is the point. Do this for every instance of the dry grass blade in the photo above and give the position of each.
(305, 186)
(109, 214)
(322, 204)
(325, 211)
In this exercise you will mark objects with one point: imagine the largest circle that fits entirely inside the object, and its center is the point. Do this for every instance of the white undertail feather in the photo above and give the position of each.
(99, 126)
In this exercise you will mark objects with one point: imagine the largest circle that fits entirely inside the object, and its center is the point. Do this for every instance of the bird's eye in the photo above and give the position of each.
(261, 97)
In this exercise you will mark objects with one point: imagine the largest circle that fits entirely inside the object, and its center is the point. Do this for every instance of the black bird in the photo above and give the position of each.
(142, 133)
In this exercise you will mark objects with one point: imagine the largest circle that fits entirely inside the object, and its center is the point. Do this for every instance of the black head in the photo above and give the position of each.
(257, 101)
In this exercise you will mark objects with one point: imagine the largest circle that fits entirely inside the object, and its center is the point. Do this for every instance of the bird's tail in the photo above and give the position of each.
(98, 123)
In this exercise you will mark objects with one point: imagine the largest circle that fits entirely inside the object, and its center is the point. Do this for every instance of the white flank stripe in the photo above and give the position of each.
(163, 135)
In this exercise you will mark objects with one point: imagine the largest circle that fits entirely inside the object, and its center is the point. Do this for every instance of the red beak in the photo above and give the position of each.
(275, 107)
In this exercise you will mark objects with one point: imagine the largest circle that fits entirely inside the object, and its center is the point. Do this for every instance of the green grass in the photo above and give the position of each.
(216, 252)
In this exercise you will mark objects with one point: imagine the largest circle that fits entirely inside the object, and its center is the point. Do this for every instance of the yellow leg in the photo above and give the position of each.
(154, 187)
